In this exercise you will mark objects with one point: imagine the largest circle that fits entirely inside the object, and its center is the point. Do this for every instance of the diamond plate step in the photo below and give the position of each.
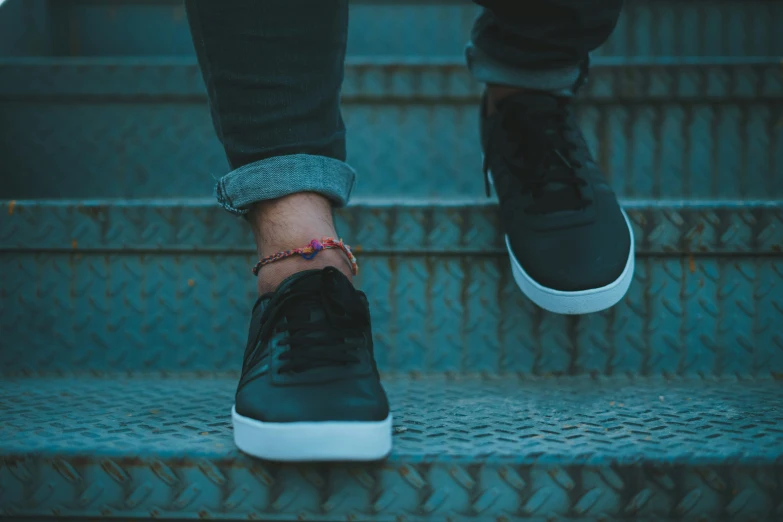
(431, 28)
(165, 286)
(465, 449)
(662, 128)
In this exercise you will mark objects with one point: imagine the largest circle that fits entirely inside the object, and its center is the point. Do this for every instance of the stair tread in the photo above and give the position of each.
(563, 421)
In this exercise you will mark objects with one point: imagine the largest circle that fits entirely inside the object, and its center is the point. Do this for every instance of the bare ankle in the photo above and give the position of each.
(271, 275)
(292, 222)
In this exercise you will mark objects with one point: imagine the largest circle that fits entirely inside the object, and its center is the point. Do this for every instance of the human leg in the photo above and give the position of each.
(570, 243)
(309, 388)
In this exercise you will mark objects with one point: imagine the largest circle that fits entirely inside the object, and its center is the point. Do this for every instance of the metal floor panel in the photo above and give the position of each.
(669, 128)
(166, 286)
(431, 28)
(464, 448)
(373, 226)
(184, 312)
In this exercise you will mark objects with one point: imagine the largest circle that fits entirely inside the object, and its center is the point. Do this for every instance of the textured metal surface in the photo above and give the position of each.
(24, 28)
(432, 28)
(414, 79)
(679, 131)
(187, 311)
(373, 226)
(466, 448)
(166, 286)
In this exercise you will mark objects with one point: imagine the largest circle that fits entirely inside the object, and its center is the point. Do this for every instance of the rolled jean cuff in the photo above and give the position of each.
(486, 69)
(283, 175)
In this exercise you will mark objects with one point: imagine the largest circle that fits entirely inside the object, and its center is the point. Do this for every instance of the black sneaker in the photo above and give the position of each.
(310, 389)
(571, 245)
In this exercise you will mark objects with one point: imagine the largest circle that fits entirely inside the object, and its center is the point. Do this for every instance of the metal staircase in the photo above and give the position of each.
(125, 290)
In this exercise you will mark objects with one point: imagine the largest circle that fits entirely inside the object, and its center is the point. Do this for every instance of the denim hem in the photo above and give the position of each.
(283, 175)
(485, 69)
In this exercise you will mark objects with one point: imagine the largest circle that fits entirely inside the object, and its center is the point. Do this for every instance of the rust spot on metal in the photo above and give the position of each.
(691, 264)
(404, 471)
(203, 514)
(67, 471)
(11, 206)
(96, 212)
(191, 283)
(357, 249)
(74, 244)
(114, 471)
(164, 472)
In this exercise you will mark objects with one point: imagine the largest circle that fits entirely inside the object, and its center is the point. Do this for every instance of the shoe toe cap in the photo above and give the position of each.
(354, 400)
(583, 258)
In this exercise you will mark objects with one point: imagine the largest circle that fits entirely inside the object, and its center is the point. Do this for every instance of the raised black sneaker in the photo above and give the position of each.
(570, 243)
(310, 389)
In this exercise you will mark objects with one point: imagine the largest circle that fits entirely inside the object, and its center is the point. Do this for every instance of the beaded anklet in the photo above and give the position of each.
(309, 252)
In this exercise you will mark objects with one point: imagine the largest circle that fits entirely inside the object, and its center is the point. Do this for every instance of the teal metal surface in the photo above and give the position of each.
(159, 286)
(430, 28)
(465, 449)
(666, 129)
(25, 28)
(375, 226)
(179, 312)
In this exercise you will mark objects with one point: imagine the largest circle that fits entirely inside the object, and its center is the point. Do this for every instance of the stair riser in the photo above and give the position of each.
(85, 312)
(185, 488)
(433, 28)
(167, 287)
(91, 131)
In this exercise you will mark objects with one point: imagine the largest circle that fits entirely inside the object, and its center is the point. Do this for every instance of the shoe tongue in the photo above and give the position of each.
(313, 284)
(539, 108)
(329, 279)
(305, 279)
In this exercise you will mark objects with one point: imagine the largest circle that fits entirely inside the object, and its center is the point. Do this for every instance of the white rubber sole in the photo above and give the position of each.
(313, 441)
(579, 302)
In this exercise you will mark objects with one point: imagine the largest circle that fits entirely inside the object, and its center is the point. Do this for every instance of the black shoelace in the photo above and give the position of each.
(533, 143)
(330, 341)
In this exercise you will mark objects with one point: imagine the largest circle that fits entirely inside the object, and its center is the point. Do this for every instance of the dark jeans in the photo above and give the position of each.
(273, 70)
